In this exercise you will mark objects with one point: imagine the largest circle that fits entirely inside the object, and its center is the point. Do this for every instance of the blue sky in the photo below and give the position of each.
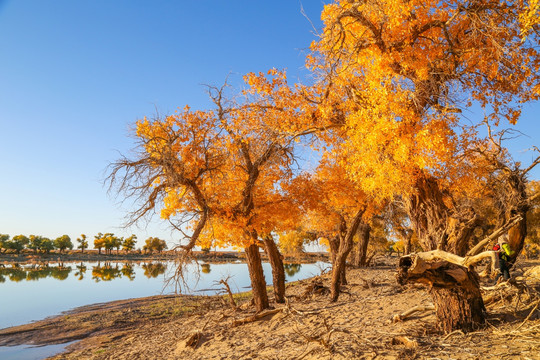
(74, 75)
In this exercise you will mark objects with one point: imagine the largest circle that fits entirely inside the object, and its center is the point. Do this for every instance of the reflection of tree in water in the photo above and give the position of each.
(291, 269)
(205, 268)
(127, 271)
(18, 273)
(81, 270)
(60, 272)
(153, 270)
(15, 273)
(35, 273)
(106, 272)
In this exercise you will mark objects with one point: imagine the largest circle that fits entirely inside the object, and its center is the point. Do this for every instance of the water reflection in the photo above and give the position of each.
(292, 269)
(18, 273)
(205, 268)
(68, 285)
(153, 270)
(106, 271)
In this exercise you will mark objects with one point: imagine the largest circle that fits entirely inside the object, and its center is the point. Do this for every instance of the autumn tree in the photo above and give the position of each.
(336, 209)
(99, 242)
(4, 238)
(83, 243)
(222, 165)
(34, 242)
(46, 245)
(532, 246)
(154, 243)
(404, 71)
(17, 243)
(63, 242)
(129, 243)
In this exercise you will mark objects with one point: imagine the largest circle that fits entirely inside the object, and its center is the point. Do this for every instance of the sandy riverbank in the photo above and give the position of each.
(358, 326)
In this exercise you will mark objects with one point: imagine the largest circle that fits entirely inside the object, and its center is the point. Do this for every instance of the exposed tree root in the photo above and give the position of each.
(256, 317)
(408, 313)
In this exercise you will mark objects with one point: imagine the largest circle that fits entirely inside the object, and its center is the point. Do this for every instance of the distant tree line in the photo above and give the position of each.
(107, 241)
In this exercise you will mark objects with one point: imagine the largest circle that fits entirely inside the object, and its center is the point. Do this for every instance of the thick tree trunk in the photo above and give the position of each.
(334, 249)
(454, 288)
(364, 231)
(338, 269)
(278, 271)
(458, 308)
(339, 265)
(256, 274)
(455, 291)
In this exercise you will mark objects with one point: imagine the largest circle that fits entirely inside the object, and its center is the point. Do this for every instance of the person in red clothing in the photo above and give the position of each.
(505, 256)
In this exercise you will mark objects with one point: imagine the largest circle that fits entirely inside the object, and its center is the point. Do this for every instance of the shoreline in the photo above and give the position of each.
(93, 256)
(359, 325)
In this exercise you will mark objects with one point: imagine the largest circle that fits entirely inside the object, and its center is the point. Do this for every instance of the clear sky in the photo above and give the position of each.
(74, 75)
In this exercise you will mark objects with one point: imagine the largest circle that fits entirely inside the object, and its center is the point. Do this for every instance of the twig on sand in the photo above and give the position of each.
(256, 317)
(529, 316)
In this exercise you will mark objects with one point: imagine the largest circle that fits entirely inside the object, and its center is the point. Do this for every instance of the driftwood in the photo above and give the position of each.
(420, 260)
(408, 313)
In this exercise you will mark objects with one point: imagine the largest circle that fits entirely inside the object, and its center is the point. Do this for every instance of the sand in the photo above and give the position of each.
(358, 326)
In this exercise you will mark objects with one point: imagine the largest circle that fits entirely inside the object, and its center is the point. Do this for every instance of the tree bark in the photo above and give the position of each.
(364, 231)
(256, 275)
(345, 246)
(455, 289)
(278, 271)
(334, 249)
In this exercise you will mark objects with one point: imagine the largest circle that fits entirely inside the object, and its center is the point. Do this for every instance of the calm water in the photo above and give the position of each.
(32, 292)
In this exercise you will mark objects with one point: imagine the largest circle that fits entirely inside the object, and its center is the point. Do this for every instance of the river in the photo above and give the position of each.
(33, 292)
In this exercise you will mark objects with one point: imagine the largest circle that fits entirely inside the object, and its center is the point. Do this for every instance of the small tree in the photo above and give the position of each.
(4, 238)
(46, 245)
(83, 243)
(129, 243)
(99, 242)
(154, 243)
(160, 245)
(18, 243)
(34, 242)
(109, 242)
(63, 242)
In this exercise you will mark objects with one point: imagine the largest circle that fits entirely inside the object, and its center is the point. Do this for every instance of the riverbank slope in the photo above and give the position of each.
(358, 326)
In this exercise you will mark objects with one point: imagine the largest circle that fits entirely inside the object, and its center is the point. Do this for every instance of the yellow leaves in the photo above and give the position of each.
(529, 17)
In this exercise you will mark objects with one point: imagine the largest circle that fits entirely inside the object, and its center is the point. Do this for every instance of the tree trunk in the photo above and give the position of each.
(345, 246)
(334, 249)
(455, 291)
(278, 272)
(256, 274)
(364, 231)
(457, 308)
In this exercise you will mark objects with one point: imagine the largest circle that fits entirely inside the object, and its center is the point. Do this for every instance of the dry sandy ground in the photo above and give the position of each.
(358, 326)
